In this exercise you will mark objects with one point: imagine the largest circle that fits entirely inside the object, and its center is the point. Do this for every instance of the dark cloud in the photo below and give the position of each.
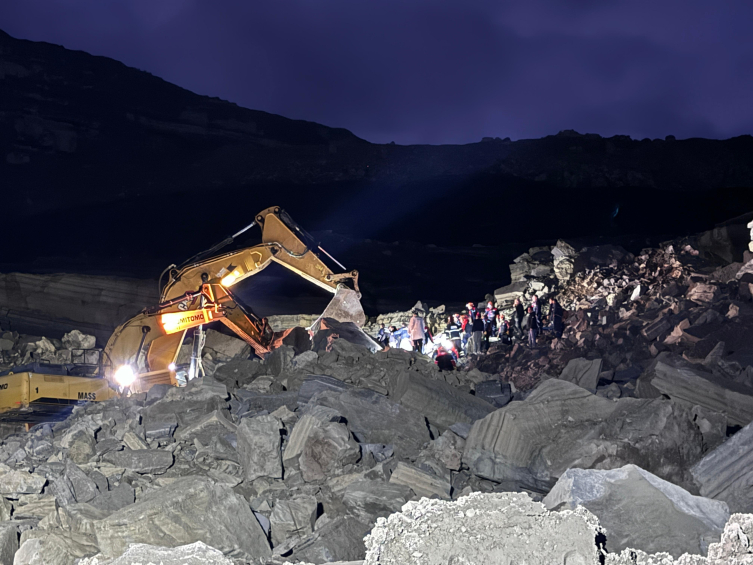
(435, 71)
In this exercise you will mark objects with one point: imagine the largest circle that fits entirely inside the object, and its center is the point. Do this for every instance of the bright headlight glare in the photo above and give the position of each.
(125, 376)
(171, 367)
(230, 279)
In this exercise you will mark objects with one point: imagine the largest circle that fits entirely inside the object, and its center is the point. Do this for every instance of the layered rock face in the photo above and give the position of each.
(51, 305)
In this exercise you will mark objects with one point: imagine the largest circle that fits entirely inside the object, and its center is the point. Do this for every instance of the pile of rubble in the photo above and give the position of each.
(297, 457)
(293, 457)
(75, 347)
(643, 407)
(625, 312)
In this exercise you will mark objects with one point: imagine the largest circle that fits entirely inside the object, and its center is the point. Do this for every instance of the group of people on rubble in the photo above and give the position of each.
(472, 331)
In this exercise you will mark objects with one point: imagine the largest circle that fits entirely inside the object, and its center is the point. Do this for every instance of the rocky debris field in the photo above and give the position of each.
(627, 441)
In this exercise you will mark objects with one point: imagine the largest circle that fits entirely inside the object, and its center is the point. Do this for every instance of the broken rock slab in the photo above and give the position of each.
(8, 542)
(313, 418)
(341, 539)
(496, 393)
(483, 529)
(374, 418)
(259, 441)
(328, 448)
(16, 482)
(726, 473)
(582, 372)
(294, 517)
(41, 547)
(420, 482)
(369, 500)
(561, 425)
(441, 403)
(143, 461)
(186, 511)
(639, 510)
(206, 428)
(735, 548)
(315, 384)
(690, 385)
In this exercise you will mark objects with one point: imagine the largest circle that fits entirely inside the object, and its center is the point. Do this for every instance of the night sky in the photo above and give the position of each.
(435, 71)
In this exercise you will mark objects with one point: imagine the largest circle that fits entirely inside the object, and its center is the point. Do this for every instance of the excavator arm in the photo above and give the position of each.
(200, 291)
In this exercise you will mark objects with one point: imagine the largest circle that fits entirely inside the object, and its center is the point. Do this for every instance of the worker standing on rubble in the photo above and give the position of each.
(533, 327)
(536, 308)
(555, 317)
(471, 311)
(383, 336)
(478, 332)
(417, 330)
(518, 317)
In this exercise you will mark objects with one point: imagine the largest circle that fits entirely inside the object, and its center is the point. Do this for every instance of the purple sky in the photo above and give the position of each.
(435, 71)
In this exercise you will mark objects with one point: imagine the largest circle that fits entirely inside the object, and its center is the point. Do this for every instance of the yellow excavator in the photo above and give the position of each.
(144, 350)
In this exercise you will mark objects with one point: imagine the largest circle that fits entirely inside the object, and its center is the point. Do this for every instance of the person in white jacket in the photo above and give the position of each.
(417, 330)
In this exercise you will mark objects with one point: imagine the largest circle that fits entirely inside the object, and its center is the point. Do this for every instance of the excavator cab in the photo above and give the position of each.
(144, 350)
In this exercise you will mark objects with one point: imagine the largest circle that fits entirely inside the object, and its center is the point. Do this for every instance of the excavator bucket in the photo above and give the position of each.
(346, 307)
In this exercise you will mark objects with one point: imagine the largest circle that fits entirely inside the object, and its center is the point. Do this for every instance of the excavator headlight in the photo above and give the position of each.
(125, 376)
(229, 280)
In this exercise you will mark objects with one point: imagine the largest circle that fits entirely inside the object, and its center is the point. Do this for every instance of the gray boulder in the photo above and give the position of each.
(726, 473)
(41, 547)
(421, 482)
(369, 500)
(259, 447)
(8, 542)
(206, 428)
(341, 539)
(15, 482)
(494, 392)
(188, 404)
(186, 511)
(561, 425)
(144, 461)
(582, 372)
(374, 418)
(292, 518)
(315, 384)
(691, 385)
(441, 403)
(84, 489)
(328, 449)
(115, 498)
(639, 510)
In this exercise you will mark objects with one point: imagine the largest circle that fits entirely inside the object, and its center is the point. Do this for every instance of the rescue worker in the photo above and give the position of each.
(536, 308)
(452, 329)
(478, 332)
(518, 317)
(471, 311)
(533, 327)
(466, 329)
(555, 317)
(417, 330)
(383, 336)
(444, 360)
